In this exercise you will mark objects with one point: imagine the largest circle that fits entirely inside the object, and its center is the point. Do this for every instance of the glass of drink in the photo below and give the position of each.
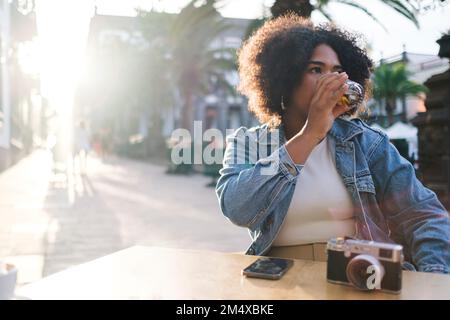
(354, 95)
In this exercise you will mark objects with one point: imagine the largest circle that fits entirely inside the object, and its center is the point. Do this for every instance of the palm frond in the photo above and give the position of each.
(401, 8)
(412, 88)
(364, 9)
(325, 13)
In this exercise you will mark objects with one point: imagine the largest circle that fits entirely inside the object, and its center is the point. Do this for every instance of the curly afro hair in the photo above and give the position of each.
(273, 60)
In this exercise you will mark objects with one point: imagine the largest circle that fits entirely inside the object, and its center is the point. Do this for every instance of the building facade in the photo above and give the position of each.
(216, 109)
(20, 101)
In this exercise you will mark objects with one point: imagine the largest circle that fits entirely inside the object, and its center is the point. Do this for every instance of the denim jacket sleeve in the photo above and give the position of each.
(414, 209)
(250, 186)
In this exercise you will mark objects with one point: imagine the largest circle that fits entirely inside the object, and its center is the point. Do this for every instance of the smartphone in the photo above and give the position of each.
(268, 268)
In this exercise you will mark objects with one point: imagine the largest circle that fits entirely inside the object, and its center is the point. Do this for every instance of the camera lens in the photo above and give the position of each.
(365, 272)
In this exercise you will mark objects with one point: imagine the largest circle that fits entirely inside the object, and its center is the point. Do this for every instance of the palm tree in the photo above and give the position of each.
(196, 66)
(390, 82)
(304, 8)
(153, 83)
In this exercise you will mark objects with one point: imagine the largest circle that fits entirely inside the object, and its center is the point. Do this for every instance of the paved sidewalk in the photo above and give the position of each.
(50, 222)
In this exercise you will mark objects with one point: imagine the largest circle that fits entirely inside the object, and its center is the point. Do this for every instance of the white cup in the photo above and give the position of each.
(8, 279)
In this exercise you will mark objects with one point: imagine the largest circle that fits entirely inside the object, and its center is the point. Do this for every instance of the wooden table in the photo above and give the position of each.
(161, 273)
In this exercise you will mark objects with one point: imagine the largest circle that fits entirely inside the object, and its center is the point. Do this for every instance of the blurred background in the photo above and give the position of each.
(91, 91)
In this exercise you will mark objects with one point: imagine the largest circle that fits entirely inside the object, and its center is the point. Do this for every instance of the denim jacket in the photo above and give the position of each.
(258, 180)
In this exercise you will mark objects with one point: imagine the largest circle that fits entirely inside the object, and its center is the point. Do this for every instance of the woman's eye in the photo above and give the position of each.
(316, 70)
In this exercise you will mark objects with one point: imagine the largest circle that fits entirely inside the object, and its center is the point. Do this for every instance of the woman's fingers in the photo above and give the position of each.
(331, 93)
(338, 111)
(331, 87)
(339, 92)
(330, 83)
(323, 106)
(337, 83)
(325, 79)
(340, 108)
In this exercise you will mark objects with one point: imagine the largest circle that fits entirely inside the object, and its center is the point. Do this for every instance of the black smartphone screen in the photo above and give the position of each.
(272, 268)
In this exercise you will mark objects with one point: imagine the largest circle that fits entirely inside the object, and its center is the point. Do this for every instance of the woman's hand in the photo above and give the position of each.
(324, 108)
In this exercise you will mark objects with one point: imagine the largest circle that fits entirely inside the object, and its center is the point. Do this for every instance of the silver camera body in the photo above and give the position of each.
(366, 265)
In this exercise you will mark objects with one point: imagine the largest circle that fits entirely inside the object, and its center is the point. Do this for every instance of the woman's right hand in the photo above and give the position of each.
(324, 107)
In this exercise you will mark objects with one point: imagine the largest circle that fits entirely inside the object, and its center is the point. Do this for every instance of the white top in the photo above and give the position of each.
(321, 207)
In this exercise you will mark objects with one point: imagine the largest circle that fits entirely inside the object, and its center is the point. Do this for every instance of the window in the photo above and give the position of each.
(234, 117)
(211, 117)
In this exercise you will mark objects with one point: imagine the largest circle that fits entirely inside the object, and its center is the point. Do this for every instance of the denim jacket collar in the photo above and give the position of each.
(344, 130)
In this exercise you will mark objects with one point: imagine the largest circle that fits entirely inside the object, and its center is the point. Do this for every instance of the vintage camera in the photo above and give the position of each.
(366, 265)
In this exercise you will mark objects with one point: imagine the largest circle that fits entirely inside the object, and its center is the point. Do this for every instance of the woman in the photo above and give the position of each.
(311, 171)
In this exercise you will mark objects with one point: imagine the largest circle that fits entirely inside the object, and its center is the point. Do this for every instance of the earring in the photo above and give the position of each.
(283, 107)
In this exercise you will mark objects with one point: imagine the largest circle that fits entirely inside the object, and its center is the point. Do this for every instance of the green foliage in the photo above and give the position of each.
(390, 82)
